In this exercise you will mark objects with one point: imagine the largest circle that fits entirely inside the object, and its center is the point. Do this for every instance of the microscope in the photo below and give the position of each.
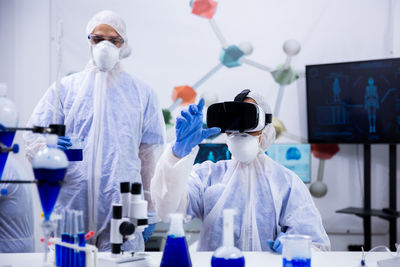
(129, 219)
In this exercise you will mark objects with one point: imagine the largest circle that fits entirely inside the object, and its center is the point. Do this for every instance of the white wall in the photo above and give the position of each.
(172, 47)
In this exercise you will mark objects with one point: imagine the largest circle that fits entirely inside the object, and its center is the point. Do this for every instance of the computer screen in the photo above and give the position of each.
(213, 152)
(354, 102)
(295, 157)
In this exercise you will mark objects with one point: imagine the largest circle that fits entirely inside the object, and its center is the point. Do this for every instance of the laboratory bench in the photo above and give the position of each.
(203, 259)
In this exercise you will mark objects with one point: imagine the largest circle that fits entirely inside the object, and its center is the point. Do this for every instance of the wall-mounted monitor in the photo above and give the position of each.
(354, 102)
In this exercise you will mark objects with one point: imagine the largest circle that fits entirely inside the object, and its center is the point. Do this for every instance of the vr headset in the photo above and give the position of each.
(237, 117)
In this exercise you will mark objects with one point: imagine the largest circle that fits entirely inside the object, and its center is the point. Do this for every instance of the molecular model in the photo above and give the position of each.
(232, 56)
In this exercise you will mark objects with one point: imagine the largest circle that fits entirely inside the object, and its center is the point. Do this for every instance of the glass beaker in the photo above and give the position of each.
(75, 152)
(296, 250)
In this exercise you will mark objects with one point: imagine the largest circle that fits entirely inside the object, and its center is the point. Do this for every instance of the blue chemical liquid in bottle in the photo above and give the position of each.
(221, 262)
(8, 118)
(6, 138)
(228, 254)
(297, 262)
(74, 154)
(49, 187)
(176, 251)
(49, 167)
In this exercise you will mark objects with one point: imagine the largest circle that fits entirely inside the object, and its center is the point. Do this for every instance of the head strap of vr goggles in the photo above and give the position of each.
(243, 95)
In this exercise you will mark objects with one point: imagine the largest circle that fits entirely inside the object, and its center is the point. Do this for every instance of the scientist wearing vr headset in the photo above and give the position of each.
(270, 200)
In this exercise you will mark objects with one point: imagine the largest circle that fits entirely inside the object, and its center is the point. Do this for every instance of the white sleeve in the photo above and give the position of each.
(169, 190)
(42, 116)
(149, 155)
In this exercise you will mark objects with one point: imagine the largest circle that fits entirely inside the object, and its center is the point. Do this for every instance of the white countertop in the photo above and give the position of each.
(203, 259)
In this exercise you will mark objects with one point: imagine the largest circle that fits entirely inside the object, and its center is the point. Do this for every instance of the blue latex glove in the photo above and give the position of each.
(277, 244)
(189, 130)
(148, 231)
(63, 142)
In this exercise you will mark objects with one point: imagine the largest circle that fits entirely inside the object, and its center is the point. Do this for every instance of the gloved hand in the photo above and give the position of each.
(148, 231)
(63, 142)
(189, 130)
(276, 245)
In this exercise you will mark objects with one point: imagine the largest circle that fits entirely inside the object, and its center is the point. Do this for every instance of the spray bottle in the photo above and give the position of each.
(228, 254)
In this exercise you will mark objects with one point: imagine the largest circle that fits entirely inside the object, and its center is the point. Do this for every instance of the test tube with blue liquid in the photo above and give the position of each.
(65, 239)
(228, 255)
(72, 228)
(49, 167)
(80, 256)
(296, 251)
(58, 233)
(176, 252)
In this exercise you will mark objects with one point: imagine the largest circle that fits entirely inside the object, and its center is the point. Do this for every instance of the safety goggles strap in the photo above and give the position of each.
(242, 95)
(268, 118)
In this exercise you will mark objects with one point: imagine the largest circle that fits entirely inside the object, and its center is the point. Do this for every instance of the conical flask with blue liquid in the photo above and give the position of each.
(228, 254)
(49, 167)
(176, 252)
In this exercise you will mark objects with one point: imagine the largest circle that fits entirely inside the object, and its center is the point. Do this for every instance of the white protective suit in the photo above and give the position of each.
(121, 122)
(16, 211)
(266, 195)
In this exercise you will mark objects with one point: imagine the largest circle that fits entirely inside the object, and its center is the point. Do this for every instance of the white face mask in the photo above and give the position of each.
(105, 55)
(243, 146)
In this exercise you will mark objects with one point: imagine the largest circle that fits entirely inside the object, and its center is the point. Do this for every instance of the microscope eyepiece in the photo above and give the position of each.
(117, 211)
(136, 189)
(125, 187)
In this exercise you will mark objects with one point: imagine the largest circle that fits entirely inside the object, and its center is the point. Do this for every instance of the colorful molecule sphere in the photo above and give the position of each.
(230, 57)
(186, 93)
(291, 47)
(246, 47)
(283, 75)
(324, 151)
(204, 8)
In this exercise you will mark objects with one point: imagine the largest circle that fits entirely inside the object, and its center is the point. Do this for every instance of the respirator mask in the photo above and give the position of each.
(105, 55)
(243, 146)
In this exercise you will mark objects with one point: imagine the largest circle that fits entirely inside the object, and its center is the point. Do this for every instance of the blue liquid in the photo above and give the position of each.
(64, 250)
(297, 262)
(74, 154)
(48, 192)
(222, 262)
(6, 138)
(71, 252)
(176, 253)
(58, 255)
(82, 255)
